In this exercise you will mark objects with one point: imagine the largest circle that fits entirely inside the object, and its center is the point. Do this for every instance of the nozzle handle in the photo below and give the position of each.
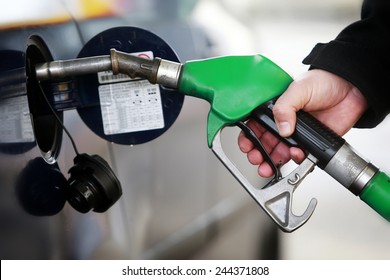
(310, 134)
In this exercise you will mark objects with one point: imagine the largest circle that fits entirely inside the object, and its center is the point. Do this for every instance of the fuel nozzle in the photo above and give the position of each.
(156, 71)
(238, 88)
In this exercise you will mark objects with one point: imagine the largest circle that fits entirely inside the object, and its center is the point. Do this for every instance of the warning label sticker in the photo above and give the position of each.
(15, 121)
(130, 107)
(108, 77)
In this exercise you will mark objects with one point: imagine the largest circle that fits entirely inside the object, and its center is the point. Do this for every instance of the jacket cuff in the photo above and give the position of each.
(362, 68)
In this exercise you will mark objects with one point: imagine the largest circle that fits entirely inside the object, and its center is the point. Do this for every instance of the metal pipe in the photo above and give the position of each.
(65, 68)
(155, 70)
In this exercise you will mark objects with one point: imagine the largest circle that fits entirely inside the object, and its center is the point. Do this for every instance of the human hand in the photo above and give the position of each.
(332, 100)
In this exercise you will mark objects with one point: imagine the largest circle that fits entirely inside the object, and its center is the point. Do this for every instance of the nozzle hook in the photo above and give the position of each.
(275, 199)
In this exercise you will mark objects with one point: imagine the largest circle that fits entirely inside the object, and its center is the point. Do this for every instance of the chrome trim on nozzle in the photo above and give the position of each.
(350, 169)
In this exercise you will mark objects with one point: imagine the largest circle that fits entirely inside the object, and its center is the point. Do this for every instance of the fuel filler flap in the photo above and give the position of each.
(118, 108)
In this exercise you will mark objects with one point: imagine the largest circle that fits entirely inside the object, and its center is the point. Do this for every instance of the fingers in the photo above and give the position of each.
(291, 101)
(277, 150)
(268, 140)
(279, 155)
(297, 155)
(265, 170)
(284, 112)
(244, 143)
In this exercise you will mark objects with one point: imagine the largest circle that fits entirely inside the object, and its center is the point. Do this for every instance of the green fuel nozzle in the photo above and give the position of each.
(242, 87)
(233, 85)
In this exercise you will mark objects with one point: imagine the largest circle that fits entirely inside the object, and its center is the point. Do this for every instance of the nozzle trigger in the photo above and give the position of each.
(276, 199)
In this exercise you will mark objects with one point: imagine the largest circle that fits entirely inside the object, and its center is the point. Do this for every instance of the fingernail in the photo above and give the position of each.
(284, 129)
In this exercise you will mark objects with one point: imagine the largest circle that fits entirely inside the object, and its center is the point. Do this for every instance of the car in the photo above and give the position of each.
(177, 202)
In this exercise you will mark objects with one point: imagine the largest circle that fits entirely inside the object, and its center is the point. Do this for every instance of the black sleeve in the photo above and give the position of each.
(361, 55)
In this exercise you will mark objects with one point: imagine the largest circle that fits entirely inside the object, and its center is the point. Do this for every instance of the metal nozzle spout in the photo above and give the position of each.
(156, 71)
(65, 68)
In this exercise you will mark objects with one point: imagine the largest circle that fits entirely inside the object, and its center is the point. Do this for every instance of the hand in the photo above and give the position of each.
(332, 100)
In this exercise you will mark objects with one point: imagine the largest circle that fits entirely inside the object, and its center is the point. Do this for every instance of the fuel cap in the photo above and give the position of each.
(120, 109)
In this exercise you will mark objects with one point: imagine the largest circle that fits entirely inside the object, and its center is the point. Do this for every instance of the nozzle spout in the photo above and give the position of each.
(59, 69)
(156, 71)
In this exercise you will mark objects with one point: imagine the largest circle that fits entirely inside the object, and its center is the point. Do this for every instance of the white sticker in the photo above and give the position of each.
(130, 107)
(15, 121)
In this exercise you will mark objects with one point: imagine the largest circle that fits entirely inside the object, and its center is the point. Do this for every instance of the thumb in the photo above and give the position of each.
(284, 111)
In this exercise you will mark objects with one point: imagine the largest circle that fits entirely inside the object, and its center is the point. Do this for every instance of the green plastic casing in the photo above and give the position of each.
(377, 194)
(233, 85)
